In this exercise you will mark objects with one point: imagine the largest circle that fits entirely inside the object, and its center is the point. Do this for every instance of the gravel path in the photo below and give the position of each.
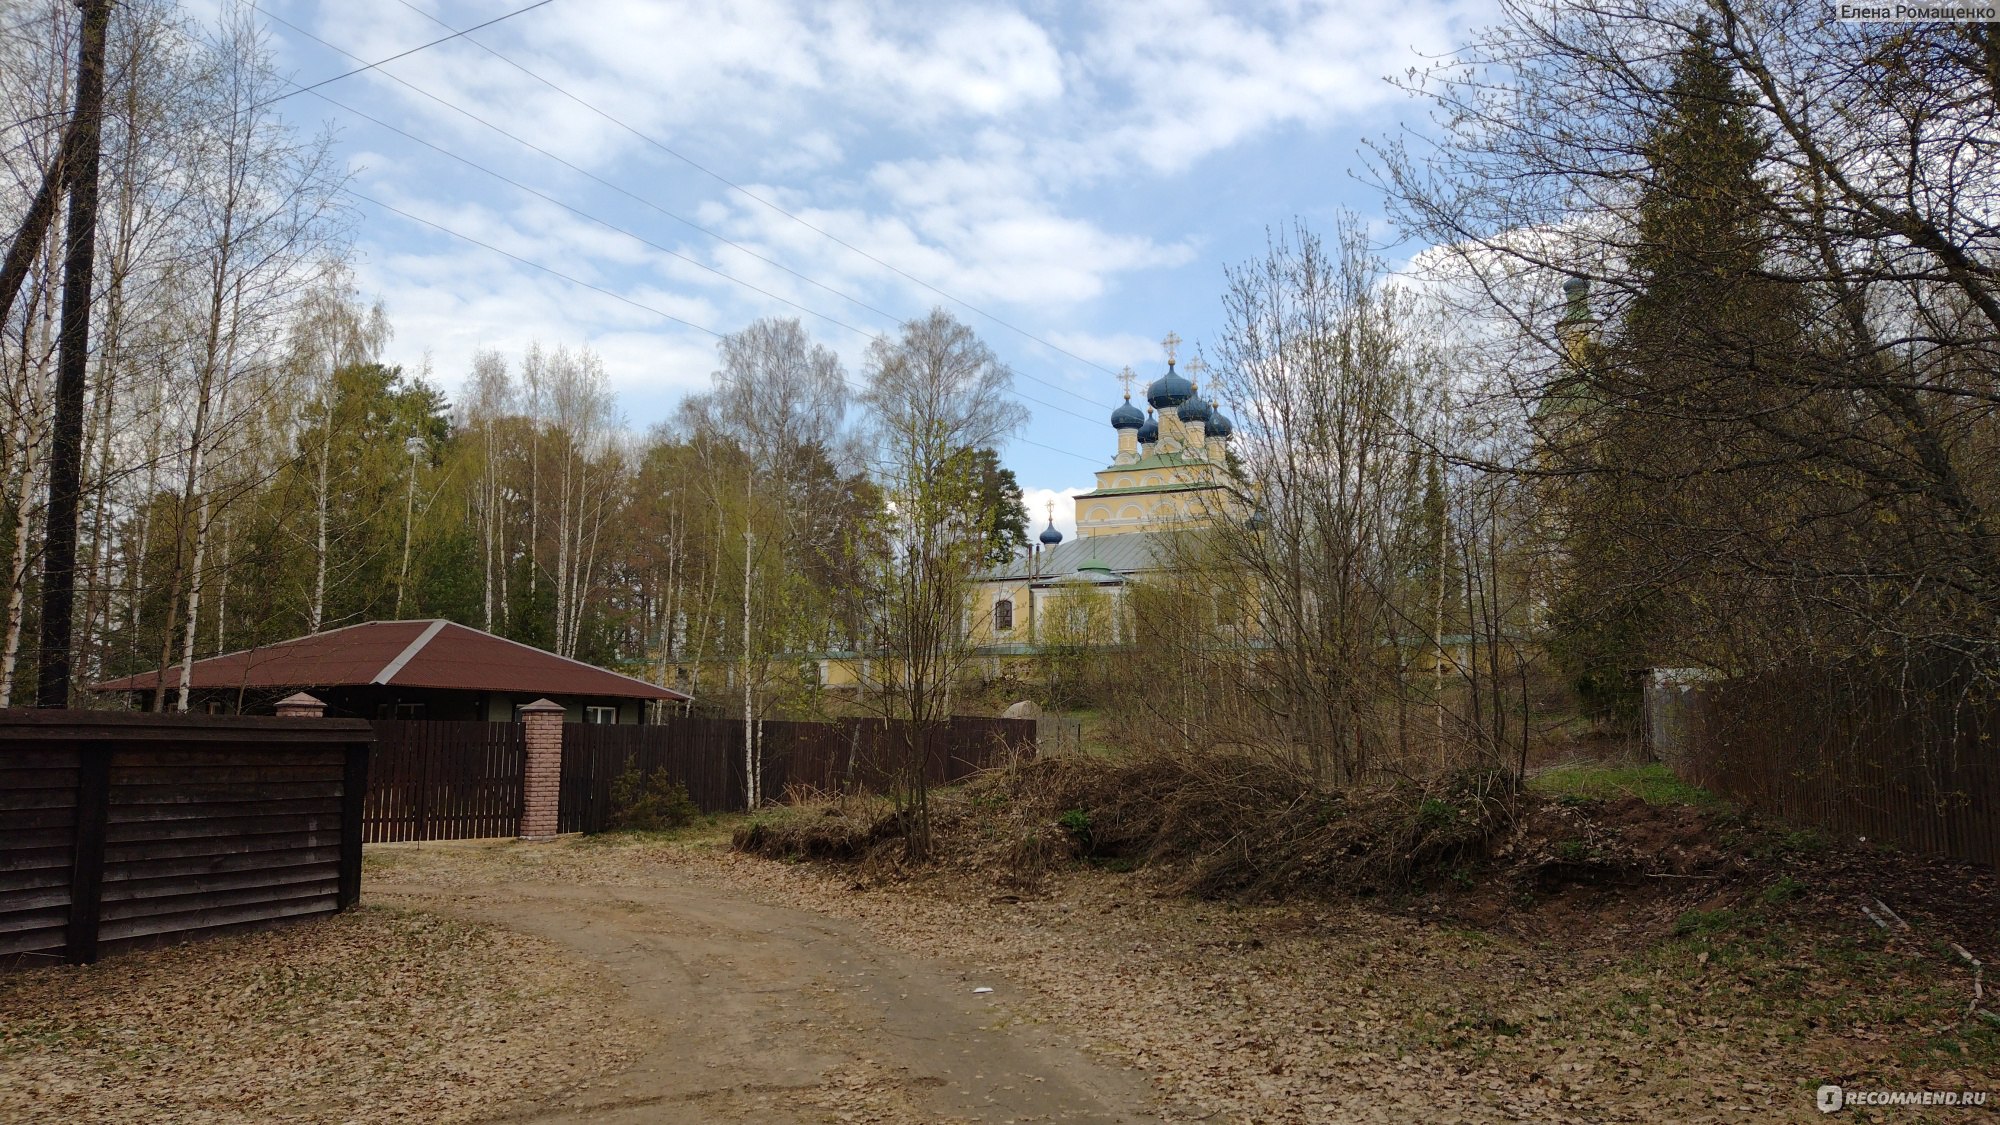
(771, 1014)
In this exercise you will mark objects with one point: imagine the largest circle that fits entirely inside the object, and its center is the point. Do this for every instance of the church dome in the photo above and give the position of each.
(1127, 416)
(1150, 432)
(1169, 390)
(1219, 424)
(1194, 409)
(1050, 536)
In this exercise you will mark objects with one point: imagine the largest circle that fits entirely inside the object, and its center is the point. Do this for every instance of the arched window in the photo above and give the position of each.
(1003, 615)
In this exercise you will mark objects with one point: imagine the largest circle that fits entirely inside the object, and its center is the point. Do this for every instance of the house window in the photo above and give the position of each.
(605, 716)
(1003, 615)
(409, 710)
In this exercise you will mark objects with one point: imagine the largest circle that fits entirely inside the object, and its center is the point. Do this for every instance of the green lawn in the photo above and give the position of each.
(1653, 783)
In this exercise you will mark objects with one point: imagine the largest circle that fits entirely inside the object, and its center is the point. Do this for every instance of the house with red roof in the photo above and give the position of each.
(403, 670)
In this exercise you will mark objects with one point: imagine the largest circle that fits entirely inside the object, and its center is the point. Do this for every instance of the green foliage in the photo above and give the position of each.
(1706, 923)
(1784, 890)
(1653, 783)
(1076, 822)
(1434, 813)
(1597, 643)
(1572, 851)
(994, 499)
(653, 802)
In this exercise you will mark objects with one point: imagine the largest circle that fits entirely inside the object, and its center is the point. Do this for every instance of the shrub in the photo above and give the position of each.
(652, 802)
(1077, 823)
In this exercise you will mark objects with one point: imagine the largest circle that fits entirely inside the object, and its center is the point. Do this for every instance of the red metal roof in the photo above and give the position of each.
(421, 654)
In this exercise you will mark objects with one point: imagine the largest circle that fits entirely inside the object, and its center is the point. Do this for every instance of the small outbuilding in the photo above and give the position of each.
(404, 670)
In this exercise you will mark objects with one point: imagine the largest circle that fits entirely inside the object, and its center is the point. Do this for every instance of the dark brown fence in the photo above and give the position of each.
(707, 756)
(444, 781)
(119, 829)
(1902, 759)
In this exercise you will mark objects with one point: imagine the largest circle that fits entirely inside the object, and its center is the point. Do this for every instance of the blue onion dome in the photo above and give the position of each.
(1127, 416)
(1050, 536)
(1169, 390)
(1219, 424)
(1150, 432)
(1194, 409)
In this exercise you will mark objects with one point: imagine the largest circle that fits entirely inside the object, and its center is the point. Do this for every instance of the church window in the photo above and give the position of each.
(1003, 615)
(1100, 513)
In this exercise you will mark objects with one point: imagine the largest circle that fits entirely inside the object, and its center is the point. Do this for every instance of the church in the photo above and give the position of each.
(1169, 475)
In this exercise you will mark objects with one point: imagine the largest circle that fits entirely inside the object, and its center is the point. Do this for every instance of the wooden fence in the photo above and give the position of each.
(431, 780)
(1901, 759)
(707, 756)
(120, 829)
(463, 780)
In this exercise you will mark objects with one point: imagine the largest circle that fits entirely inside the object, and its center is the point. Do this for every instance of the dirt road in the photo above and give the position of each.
(774, 1015)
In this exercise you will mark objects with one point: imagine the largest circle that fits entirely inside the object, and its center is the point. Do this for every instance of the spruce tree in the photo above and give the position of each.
(1669, 386)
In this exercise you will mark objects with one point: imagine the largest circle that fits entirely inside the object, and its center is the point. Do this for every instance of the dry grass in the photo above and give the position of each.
(1213, 824)
(1328, 1010)
(372, 1015)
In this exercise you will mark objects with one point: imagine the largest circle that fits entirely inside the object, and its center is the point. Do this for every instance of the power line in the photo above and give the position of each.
(586, 173)
(616, 296)
(470, 163)
(411, 51)
(580, 213)
(748, 194)
(532, 265)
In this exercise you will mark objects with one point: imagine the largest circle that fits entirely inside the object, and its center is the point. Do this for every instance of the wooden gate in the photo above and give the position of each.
(430, 780)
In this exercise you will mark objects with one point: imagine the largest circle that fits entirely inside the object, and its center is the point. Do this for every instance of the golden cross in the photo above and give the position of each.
(1126, 378)
(1196, 367)
(1173, 345)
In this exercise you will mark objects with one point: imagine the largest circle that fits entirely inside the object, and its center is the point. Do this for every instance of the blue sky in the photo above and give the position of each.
(1084, 173)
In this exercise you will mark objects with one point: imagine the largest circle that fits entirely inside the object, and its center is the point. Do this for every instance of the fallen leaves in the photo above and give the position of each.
(370, 1015)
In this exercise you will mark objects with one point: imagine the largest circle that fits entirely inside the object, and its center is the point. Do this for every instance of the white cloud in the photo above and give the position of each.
(983, 148)
(1038, 500)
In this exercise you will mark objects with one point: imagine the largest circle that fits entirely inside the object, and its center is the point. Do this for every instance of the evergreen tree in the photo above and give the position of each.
(1687, 362)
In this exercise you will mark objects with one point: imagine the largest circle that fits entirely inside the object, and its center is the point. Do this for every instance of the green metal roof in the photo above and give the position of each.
(1128, 553)
(1158, 460)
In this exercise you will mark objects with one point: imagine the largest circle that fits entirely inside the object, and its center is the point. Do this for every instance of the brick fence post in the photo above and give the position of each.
(541, 775)
(299, 705)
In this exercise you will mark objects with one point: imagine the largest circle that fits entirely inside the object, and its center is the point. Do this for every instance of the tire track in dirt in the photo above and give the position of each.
(767, 1014)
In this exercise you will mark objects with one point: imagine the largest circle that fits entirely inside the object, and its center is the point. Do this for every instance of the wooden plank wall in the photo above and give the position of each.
(201, 837)
(437, 780)
(37, 846)
(119, 830)
(1911, 760)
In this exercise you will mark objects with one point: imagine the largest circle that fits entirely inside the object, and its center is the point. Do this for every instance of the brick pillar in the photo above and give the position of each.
(541, 776)
(299, 705)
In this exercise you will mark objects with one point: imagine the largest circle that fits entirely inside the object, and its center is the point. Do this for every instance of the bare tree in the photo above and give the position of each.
(934, 392)
(1334, 386)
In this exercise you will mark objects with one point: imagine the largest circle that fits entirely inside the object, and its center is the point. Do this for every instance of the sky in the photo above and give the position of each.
(1069, 180)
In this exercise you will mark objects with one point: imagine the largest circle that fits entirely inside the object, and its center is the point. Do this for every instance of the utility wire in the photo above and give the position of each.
(411, 51)
(592, 176)
(748, 194)
(614, 295)
(579, 212)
